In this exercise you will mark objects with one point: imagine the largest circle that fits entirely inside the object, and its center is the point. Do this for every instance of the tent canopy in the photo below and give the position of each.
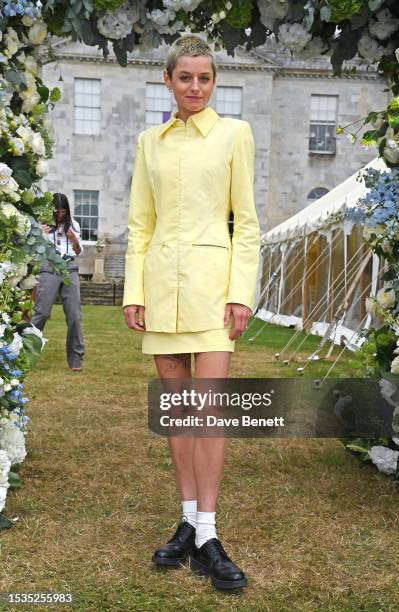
(316, 215)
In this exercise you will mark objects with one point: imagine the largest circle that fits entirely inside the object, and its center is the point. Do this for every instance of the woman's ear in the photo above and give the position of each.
(166, 78)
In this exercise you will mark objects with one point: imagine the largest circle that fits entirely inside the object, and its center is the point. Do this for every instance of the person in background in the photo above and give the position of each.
(65, 234)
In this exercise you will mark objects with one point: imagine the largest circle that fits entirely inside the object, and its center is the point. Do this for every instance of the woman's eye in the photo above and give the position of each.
(184, 78)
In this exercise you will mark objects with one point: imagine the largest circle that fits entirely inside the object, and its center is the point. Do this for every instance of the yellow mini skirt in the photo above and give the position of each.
(158, 343)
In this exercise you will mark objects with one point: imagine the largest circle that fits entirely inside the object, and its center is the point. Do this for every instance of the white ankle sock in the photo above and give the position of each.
(205, 530)
(189, 510)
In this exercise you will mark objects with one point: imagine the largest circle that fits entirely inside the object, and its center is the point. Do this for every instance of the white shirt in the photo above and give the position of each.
(63, 245)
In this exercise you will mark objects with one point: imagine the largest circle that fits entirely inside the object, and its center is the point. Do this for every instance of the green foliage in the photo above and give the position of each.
(344, 9)
(239, 16)
(376, 353)
(107, 5)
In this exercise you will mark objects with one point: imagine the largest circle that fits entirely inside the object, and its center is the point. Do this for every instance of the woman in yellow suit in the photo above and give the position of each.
(189, 287)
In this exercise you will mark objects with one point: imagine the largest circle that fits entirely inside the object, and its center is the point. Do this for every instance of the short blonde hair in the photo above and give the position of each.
(192, 46)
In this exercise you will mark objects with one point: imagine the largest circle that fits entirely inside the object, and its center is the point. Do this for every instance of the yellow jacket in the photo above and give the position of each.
(180, 262)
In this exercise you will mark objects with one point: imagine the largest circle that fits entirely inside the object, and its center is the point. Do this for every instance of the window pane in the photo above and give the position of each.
(322, 129)
(229, 101)
(86, 213)
(158, 103)
(87, 105)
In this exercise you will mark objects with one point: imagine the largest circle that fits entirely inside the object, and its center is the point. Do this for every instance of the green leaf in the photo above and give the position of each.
(23, 178)
(88, 35)
(43, 91)
(14, 480)
(120, 52)
(33, 346)
(5, 522)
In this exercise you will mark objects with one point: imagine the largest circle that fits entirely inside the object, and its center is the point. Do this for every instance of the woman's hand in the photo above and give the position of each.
(240, 314)
(45, 228)
(130, 312)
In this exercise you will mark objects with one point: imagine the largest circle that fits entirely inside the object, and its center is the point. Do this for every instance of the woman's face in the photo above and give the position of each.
(60, 214)
(192, 82)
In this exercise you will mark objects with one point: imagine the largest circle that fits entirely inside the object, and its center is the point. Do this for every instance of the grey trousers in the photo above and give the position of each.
(49, 283)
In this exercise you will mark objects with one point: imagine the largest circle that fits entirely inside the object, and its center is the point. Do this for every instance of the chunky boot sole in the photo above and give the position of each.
(223, 585)
(169, 561)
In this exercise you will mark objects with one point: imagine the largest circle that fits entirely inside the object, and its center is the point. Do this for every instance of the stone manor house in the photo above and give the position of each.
(293, 107)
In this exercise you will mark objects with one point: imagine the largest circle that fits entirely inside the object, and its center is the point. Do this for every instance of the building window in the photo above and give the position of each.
(317, 192)
(86, 213)
(229, 101)
(87, 103)
(158, 104)
(323, 122)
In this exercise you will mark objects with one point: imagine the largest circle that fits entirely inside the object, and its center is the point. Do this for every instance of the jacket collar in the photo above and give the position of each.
(203, 120)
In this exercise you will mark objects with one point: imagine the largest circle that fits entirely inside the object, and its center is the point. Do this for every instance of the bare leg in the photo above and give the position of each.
(181, 447)
(208, 457)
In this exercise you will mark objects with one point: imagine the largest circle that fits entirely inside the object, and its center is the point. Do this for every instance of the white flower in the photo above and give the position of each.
(164, 21)
(12, 41)
(395, 365)
(31, 65)
(10, 187)
(386, 298)
(37, 144)
(29, 96)
(29, 282)
(42, 167)
(17, 146)
(6, 318)
(369, 49)
(391, 151)
(37, 33)
(27, 21)
(384, 26)
(118, 24)
(16, 344)
(293, 36)
(5, 173)
(371, 306)
(17, 273)
(185, 5)
(12, 441)
(387, 390)
(397, 54)
(23, 222)
(384, 458)
(5, 465)
(270, 10)
(25, 134)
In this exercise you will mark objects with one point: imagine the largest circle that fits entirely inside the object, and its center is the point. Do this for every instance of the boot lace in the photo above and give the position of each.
(215, 546)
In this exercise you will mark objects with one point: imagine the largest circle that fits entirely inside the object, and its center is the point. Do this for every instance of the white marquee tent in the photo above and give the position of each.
(316, 270)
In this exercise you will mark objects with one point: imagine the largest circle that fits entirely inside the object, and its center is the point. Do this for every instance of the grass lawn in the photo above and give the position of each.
(312, 526)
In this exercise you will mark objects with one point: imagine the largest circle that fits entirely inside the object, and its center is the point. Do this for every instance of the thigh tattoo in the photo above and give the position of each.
(174, 361)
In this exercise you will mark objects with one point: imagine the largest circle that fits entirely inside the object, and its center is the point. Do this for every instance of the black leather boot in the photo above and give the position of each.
(212, 560)
(175, 551)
